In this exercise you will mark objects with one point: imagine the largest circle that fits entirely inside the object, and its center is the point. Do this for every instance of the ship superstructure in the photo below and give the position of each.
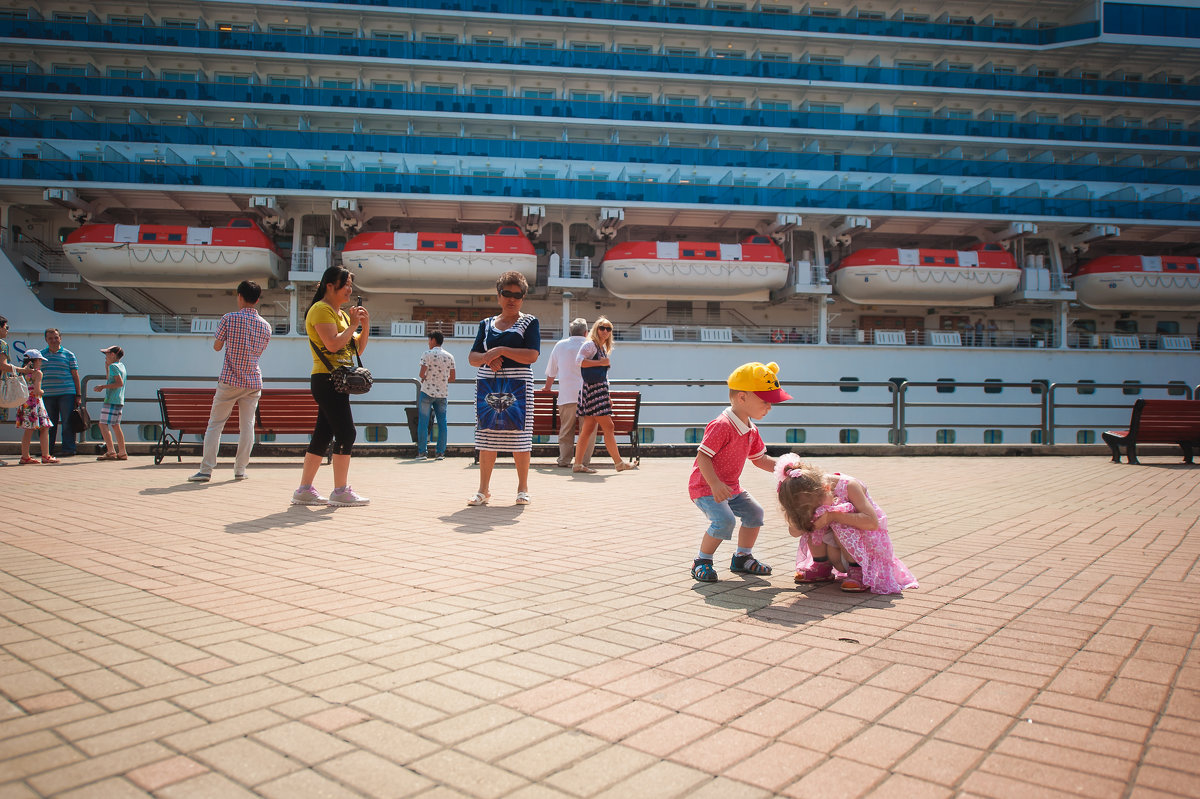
(406, 139)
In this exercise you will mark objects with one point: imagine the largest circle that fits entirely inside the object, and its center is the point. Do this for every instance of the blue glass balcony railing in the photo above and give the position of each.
(42, 171)
(922, 169)
(556, 59)
(235, 94)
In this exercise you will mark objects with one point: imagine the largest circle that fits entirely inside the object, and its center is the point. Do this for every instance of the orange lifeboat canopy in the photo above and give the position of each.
(899, 276)
(438, 263)
(695, 270)
(1138, 282)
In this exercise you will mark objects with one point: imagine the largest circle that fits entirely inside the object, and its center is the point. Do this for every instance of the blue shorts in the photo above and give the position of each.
(721, 514)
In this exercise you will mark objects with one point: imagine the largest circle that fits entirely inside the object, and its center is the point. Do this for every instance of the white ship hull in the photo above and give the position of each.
(1134, 291)
(169, 266)
(923, 285)
(391, 271)
(692, 280)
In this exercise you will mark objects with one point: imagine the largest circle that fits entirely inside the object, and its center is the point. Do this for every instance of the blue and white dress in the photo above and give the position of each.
(526, 333)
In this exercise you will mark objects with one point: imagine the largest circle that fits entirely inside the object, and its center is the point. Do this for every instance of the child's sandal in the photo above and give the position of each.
(747, 564)
(703, 571)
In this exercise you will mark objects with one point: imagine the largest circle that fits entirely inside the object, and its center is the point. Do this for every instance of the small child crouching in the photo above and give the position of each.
(840, 528)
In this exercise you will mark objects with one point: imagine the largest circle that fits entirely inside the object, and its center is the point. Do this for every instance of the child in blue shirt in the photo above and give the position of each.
(114, 404)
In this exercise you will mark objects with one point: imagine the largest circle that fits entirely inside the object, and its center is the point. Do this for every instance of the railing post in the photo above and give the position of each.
(899, 392)
(1048, 413)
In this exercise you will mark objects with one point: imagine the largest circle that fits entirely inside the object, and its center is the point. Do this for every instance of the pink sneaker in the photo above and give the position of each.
(816, 573)
(346, 498)
(307, 495)
(853, 584)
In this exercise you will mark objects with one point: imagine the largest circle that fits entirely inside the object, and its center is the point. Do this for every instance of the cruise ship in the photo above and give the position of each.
(966, 196)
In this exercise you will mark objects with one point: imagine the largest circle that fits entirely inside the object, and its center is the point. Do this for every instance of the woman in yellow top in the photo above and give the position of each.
(334, 334)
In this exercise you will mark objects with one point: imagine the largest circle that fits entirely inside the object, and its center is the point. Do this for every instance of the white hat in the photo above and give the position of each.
(34, 355)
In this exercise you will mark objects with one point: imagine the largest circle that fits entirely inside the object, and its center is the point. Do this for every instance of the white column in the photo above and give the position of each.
(822, 320)
(566, 251)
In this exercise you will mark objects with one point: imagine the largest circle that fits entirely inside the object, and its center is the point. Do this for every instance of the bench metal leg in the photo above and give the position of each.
(1187, 453)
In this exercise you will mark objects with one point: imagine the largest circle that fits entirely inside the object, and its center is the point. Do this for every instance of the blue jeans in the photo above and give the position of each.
(59, 408)
(723, 516)
(438, 405)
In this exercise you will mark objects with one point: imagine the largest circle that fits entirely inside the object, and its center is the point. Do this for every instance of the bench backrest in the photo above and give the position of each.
(187, 410)
(286, 410)
(626, 405)
(545, 413)
(1166, 421)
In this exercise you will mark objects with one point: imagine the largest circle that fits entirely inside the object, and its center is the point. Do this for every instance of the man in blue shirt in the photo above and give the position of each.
(60, 382)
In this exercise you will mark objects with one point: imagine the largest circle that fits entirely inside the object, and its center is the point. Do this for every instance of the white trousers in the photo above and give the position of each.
(247, 401)
(566, 437)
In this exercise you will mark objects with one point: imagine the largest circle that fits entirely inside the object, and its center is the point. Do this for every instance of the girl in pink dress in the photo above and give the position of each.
(32, 415)
(841, 530)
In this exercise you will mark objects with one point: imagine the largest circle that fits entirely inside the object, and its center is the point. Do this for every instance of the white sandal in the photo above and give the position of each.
(480, 498)
(523, 498)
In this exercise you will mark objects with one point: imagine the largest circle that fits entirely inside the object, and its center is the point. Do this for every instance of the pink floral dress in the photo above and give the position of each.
(883, 573)
(32, 414)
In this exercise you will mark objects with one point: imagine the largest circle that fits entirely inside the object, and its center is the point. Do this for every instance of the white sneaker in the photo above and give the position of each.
(200, 477)
(346, 498)
(308, 495)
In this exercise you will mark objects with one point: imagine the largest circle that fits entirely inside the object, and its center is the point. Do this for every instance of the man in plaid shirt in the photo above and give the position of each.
(244, 335)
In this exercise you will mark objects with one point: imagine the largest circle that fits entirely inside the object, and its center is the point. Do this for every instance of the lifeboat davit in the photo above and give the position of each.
(173, 256)
(693, 270)
(439, 263)
(972, 277)
(1138, 282)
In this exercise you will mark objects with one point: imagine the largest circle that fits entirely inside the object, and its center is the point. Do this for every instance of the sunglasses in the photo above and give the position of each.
(605, 327)
(512, 295)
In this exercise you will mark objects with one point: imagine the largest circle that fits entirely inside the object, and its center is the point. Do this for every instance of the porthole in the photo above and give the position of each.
(993, 436)
(376, 433)
(1083, 388)
(848, 380)
(693, 435)
(1085, 436)
(945, 385)
(150, 432)
(945, 436)
(645, 435)
(848, 436)
(796, 435)
(993, 389)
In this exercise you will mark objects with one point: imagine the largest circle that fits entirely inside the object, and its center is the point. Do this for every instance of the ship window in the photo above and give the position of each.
(689, 253)
(590, 47)
(710, 253)
(537, 94)
(993, 436)
(132, 21)
(928, 259)
(645, 435)
(378, 432)
(439, 88)
(682, 100)
(945, 385)
(775, 105)
(487, 91)
(848, 389)
(728, 102)
(150, 432)
(1167, 327)
(427, 245)
(796, 435)
(1086, 387)
(538, 44)
(538, 439)
(1131, 387)
(950, 260)
(638, 99)
(489, 41)
(1035, 436)
(587, 97)
(1085, 436)
(451, 245)
(439, 38)
(848, 436)
(178, 23)
(149, 236)
(174, 237)
(1039, 385)
(1176, 388)
(996, 389)
(67, 69)
(1125, 326)
(390, 35)
(945, 436)
(61, 17)
(693, 435)
(508, 231)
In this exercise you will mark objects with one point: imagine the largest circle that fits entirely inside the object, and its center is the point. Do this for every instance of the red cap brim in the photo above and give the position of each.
(774, 396)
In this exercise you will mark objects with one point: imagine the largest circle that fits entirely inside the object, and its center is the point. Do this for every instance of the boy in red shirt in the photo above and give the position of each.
(729, 441)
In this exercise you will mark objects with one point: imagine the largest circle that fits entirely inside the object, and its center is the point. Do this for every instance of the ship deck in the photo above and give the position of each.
(179, 640)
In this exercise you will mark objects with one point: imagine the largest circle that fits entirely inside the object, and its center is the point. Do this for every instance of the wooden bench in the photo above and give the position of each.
(1158, 422)
(185, 411)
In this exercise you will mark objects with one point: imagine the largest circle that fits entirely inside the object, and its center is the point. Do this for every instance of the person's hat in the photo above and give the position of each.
(115, 350)
(760, 379)
(34, 355)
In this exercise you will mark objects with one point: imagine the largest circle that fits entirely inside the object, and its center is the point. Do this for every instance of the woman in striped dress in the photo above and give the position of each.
(595, 406)
(505, 347)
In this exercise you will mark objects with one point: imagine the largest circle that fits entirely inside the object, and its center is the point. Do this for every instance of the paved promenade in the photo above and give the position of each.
(173, 640)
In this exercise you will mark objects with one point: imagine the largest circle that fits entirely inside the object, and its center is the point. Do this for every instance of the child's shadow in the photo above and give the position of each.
(810, 603)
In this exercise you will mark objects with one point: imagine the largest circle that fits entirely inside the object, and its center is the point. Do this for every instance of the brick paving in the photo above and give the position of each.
(177, 640)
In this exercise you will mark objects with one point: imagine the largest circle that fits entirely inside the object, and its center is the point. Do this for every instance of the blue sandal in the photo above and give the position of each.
(703, 571)
(746, 564)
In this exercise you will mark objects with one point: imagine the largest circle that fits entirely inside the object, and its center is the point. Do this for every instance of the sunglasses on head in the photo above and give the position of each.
(512, 295)
(605, 327)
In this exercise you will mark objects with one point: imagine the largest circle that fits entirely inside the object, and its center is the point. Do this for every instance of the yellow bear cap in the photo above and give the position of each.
(759, 378)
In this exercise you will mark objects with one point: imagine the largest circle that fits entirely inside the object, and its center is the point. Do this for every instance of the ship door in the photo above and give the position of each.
(911, 325)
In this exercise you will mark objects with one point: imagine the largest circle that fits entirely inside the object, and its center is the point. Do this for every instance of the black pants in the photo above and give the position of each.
(335, 422)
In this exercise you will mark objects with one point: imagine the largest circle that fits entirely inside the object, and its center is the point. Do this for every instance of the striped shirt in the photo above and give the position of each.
(246, 335)
(56, 372)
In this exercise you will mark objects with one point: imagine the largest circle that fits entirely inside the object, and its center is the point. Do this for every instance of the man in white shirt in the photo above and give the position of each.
(437, 373)
(562, 365)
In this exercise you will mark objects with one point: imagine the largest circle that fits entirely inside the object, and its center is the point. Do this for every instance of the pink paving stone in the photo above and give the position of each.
(335, 718)
(50, 701)
(203, 666)
(156, 776)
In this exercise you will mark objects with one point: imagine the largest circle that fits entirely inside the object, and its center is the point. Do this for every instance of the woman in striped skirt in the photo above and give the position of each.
(595, 407)
(505, 347)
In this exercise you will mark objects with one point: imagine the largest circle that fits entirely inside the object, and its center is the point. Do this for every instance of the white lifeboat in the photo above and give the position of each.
(1138, 282)
(439, 263)
(972, 277)
(689, 270)
(172, 256)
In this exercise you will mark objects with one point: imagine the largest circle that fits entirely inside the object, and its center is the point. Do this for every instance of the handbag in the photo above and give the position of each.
(14, 391)
(80, 419)
(500, 403)
(347, 379)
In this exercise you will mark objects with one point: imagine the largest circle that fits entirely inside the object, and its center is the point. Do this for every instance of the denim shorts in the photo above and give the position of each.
(722, 514)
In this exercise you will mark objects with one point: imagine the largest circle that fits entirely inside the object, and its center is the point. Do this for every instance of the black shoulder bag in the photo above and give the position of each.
(347, 379)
